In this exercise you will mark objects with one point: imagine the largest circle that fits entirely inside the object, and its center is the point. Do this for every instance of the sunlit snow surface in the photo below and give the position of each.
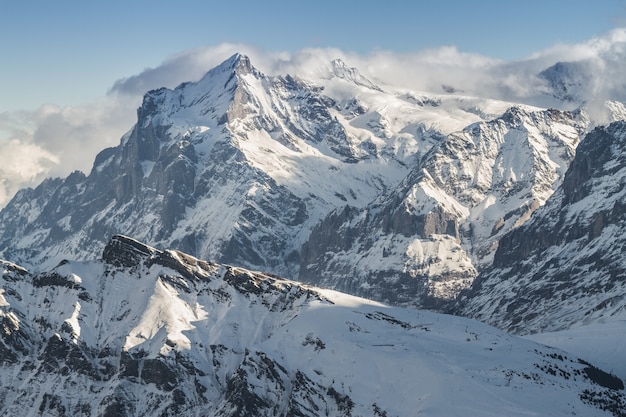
(295, 347)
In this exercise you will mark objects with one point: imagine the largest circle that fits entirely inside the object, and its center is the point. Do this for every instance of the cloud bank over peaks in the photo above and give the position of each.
(52, 141)
(427, 71)
(422, 71)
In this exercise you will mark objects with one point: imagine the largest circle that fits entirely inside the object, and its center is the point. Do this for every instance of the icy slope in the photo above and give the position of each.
(145, 332)
(565, 267)
(423, 242)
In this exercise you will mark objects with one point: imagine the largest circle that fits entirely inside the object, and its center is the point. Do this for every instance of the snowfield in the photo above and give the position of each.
(146, 332)
(601, 342)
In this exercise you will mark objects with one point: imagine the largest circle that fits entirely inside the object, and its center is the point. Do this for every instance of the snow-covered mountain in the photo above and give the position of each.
(236, 167)
(565, 267)
(423, 242)
(568, 81)
(147, 332)
(263, 171)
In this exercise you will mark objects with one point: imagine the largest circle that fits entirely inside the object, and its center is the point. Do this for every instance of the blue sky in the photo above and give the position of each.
(70, 52)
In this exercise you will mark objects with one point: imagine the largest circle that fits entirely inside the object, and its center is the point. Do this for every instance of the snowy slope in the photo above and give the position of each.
(565, 267)
(601, 342)
(424, 241)
(145, 332)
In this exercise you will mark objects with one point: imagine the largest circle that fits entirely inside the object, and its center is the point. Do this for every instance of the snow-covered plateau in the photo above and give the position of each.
(147, 332)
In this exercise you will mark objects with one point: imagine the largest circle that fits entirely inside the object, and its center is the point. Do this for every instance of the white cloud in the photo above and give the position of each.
(22, 164)
(76, 134)
(54, 141)
(423, 70)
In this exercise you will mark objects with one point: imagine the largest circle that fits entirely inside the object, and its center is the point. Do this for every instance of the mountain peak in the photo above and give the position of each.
(236, 66)
(341, 70)
(567, 80)
(239, 63)
(125, 251)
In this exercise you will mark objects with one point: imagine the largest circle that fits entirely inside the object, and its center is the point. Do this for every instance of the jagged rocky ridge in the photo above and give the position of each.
(261, 171)
(565, 267)
(147, 332)
(234, 167)
(425, 240)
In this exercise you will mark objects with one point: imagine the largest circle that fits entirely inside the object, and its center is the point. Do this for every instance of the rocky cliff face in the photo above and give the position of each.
(394, 195)
(424, 242)
(149, 332)
(238, 167)
(564, 267)
(234, 167)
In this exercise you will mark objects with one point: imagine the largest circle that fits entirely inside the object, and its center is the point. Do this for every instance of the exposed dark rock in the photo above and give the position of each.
(567, 258)
(123, 251)
(602, 378)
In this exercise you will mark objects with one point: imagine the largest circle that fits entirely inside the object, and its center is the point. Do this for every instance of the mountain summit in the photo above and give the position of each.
(341, 70)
